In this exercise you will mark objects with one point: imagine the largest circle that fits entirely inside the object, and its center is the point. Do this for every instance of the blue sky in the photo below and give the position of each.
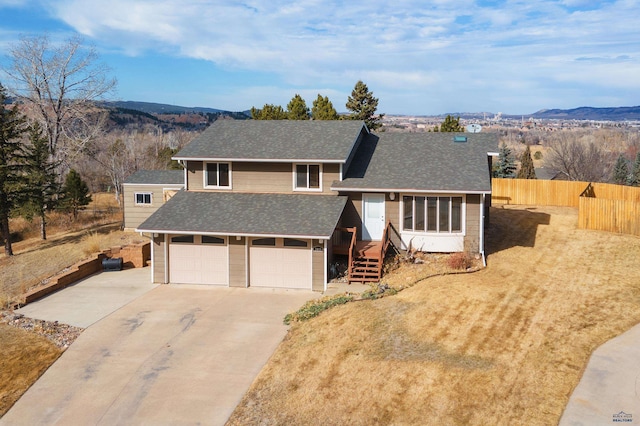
(417, 57)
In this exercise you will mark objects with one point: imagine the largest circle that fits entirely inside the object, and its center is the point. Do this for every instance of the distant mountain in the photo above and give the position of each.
(590, 113)
(154, 108)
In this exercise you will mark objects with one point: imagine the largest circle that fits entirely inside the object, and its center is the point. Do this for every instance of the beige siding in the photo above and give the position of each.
(472, 224)
(158, 259)
(352, 214)
(261, 177)
(317, 267)
(392, 212)
(237, 262)
(195, 176)
(330, 173)
(134, 214)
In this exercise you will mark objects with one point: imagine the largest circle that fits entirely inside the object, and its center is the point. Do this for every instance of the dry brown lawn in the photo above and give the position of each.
(24, 357)
(68, 242)
(503, 346)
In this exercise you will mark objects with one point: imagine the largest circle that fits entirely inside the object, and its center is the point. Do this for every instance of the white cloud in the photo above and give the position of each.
(408, 46)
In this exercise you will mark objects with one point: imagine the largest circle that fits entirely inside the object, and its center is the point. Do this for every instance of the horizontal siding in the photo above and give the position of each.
(257, 177)
(158, 259)
(262, 177)
(472, 224)
(317, 267)
(134, 214)
(237, 262)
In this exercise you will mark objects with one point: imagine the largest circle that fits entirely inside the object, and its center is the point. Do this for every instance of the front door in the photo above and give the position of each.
(372, 217)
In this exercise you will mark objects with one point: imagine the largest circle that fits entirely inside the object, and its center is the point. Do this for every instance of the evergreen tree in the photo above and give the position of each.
(634, 178)
(75, 194)
(451, 124)
(323, 109)
(363, 106)
(621, 171)
(268, 112)
(297, 109)
(527, 171)
(41, 189)
(12, 126)
(506, 166)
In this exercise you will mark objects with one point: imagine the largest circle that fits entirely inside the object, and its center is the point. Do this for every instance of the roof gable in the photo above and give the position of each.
(273, 140)
(422, 162)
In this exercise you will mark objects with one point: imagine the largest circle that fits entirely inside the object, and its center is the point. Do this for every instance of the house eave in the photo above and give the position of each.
(232, 234)
(412, 190)
(261, 160)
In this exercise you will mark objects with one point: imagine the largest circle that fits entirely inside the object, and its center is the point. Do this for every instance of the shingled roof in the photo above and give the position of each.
(273, 140)
(310, 216)
(156, 177)
(422, 162)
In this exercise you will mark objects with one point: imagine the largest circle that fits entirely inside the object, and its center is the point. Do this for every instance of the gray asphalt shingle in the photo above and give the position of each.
(275, 139)
(422, 162)
(158, 177)
(249, 214)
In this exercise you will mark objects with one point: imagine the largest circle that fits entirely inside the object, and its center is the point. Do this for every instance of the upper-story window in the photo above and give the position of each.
(217, 175)
(143, 198)
(432, 214)
(307, 177)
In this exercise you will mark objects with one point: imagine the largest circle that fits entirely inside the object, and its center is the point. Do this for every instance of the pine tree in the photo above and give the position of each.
(297, 109)
(75, 194)
(621, 171)
(506, 166)
(323, 109)
(268, 112)
(527, 171)
(12, 126)
(634, 178)
(451, 124)
(41, 189)
(363, 106)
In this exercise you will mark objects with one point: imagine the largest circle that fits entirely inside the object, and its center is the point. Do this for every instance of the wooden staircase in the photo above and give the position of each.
(366, 258)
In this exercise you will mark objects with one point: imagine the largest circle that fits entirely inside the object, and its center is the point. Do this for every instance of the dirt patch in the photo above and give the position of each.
(505, 345)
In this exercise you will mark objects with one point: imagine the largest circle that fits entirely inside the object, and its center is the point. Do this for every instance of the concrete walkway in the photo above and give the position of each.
(609, 391)
(177, 354)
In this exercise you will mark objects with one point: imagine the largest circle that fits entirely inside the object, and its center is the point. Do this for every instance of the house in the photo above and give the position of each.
(145, 191)
(273, 203)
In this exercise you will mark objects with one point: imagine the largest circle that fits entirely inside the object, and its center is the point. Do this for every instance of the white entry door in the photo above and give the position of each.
(372, 217)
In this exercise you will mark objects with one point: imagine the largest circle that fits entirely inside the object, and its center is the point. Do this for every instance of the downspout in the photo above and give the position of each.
(166, 259)
(484, 259)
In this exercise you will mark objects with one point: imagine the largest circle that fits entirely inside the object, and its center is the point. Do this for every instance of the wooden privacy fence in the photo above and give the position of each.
(601, 206)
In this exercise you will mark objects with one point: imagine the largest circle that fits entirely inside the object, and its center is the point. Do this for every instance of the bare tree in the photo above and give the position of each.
(58, 84)
(580, 158)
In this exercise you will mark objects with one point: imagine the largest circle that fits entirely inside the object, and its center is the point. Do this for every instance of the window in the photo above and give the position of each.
(217, 175)
(307, 176)
(207, 239)
(291, 242)
(143, 198)
(442, 214)
(182, 239)
(264, 242)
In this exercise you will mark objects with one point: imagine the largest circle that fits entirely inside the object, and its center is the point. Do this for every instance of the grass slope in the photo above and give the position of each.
(506, 345)
(24, 357)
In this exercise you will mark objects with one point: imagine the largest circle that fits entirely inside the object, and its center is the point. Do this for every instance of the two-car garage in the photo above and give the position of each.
(273, 262)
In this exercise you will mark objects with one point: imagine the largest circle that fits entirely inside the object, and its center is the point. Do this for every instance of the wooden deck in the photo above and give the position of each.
(369, 249)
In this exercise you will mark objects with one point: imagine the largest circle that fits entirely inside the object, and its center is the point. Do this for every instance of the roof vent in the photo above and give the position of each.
(459, 138)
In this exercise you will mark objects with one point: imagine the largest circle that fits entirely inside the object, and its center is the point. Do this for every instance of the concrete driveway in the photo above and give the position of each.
(174, 355)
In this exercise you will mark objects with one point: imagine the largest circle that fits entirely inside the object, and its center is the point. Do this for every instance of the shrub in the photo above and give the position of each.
(313, 308)
(460, 261)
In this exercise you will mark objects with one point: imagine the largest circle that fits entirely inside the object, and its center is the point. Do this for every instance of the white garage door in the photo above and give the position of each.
(195, 259)
(280, 263)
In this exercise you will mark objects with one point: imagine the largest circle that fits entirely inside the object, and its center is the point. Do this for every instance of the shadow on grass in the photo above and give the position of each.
(513, 227)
